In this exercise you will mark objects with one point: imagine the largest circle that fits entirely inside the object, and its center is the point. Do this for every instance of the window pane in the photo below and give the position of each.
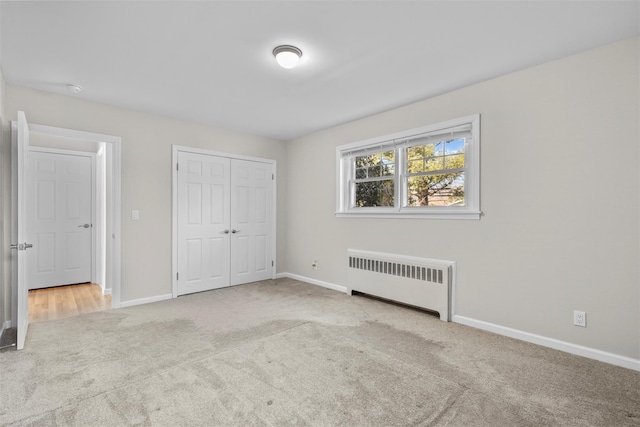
(388, 157)
(454, 147)
(416, 152)
(454, 161)
(436, 190)
(375, 165)
(434, 164)
(414, 166)
(374, 193)
(364, 161)
(374, 171)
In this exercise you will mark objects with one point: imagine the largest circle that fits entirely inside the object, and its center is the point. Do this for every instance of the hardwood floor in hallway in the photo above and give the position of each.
(66, 301)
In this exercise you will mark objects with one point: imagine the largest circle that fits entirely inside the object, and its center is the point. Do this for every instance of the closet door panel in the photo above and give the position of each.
(203, 222)
(251, 219)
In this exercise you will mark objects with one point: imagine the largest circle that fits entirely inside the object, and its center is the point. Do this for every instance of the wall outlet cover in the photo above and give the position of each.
(580, 318)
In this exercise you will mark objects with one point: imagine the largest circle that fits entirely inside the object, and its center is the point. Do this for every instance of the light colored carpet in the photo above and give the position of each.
(288, 353)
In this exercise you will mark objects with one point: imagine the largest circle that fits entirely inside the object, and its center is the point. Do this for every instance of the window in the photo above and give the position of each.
(374, 179)
(429, 172)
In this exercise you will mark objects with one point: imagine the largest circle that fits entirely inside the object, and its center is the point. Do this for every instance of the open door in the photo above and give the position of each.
(20, 140)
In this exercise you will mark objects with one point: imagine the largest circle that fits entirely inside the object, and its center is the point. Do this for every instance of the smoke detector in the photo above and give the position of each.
(75, 89)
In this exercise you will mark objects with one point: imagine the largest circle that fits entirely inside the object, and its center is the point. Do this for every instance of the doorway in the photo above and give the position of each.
(22, 132)
(223, 220)
(61, 302)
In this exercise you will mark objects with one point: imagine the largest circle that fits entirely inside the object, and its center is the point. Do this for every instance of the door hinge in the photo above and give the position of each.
(273, 176)
(177, 276)
(272, 263)
(177, 166)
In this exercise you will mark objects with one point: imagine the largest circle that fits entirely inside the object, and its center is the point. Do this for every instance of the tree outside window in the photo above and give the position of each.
(374, 180)
(435, 174)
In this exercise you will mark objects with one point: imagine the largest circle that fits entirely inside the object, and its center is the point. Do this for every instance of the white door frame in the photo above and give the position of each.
(113, 217)
(174, 205)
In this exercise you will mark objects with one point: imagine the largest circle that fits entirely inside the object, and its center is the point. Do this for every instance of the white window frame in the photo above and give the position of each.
(398, 141)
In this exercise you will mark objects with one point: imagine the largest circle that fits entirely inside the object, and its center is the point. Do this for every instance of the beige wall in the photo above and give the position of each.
(146, 175)
(559, 192)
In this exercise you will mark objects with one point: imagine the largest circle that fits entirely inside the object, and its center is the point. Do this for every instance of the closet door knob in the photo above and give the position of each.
(234, 231)
(224, 232)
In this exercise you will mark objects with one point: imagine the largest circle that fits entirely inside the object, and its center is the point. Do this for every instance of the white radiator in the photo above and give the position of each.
(420, 282)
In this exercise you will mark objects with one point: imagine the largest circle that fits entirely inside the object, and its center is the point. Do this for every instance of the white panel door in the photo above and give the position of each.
(59, 218)
(203, 222)
(251, 221)
(20, 132)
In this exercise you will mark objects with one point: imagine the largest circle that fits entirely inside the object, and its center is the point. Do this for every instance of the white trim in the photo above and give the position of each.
(327, 285)
(61, 151)
(100, 219)
(579, 350)
(444, 214)
(148, 300)
(106, 291)
(175, 149)
(174, 220)
(71, 133)
(274, 217)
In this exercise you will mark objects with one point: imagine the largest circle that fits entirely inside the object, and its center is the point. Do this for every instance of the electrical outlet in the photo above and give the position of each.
(580, 318)
(314, 264)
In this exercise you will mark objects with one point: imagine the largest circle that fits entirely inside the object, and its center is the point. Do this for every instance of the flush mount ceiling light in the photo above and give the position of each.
(74, 88)
(287, 56)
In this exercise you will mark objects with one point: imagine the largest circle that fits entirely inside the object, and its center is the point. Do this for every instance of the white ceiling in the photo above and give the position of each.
(211, 62)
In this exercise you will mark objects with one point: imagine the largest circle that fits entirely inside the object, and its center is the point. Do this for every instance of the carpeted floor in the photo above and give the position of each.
(287, 353)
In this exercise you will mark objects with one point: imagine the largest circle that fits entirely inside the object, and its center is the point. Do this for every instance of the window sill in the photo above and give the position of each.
(440, 214)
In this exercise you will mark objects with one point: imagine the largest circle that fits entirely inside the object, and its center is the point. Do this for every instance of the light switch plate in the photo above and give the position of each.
(135, 214)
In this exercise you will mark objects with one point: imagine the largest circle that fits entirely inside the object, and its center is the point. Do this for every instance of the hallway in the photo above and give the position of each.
(66, 301)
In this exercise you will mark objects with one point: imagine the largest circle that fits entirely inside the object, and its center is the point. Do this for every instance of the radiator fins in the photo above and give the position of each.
(409, 271)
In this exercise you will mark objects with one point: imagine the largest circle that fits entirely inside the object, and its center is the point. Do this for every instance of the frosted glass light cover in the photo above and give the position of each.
(287, 56)
(287, 59)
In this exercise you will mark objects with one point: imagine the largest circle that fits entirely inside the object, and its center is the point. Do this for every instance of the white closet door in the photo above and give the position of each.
(203, 222)
(59, 217)
(251, 221)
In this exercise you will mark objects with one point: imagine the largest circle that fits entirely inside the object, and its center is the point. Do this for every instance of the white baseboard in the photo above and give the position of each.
(141, 301)
(579, 350)
(327, 285)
